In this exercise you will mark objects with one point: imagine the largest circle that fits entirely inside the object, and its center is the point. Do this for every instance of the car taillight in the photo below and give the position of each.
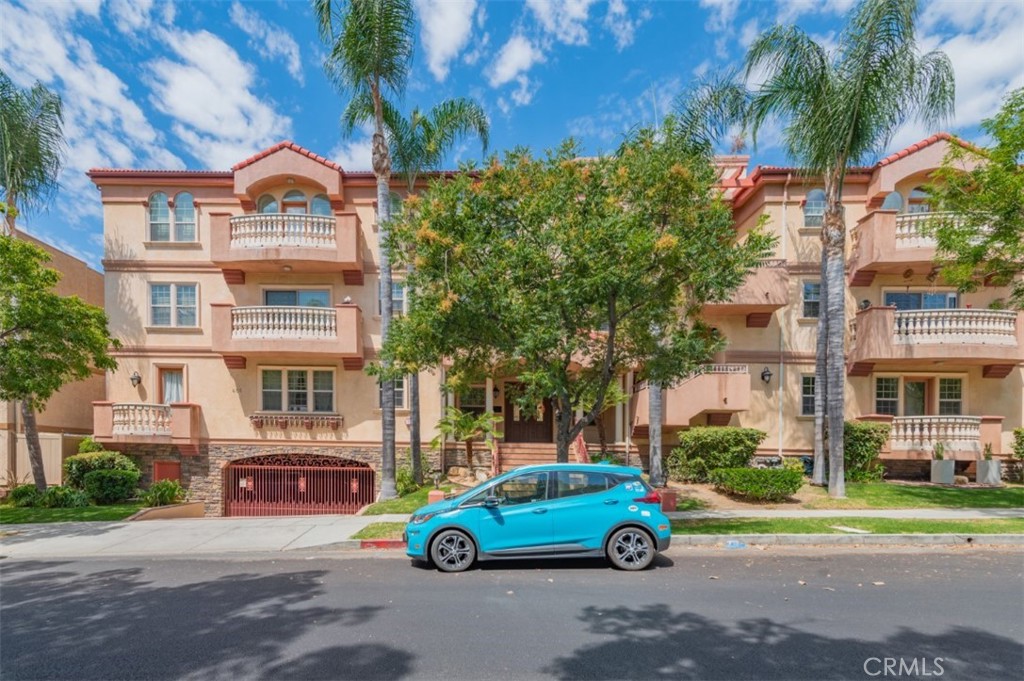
(651, 498)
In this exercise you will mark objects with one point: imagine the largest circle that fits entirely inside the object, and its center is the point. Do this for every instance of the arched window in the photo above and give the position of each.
(184, 217)
(917, 202)
(267, 204)
(894, 201)
(814, 208)
(320, 205)
(294, 201)
(159, 218)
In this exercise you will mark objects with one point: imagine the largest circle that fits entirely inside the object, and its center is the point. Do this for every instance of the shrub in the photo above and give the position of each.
(110, 486)
(88, 446)
(78, 466)
(1016, 468)
(404, 482)
(59, 496)
(760, 484)
(24, 496)
(704, 449)
(862, 444)
(164, 493)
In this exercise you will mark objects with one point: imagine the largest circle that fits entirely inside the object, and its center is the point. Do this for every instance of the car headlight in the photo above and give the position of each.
(417, 519)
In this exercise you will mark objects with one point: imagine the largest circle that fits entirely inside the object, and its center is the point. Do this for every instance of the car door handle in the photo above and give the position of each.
(609, 502)
(540, 510)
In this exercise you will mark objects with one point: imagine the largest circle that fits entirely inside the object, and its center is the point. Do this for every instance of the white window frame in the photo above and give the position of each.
(804, 300)
(174, 304)
(933, 398)
(400, 310)
(939, 399)
(896, 411)
(172, 222)
(310, 391)
(803, 380)
(401, 388)
(816, 216)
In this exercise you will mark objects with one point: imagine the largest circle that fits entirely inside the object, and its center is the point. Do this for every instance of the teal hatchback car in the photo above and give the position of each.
(545, 511)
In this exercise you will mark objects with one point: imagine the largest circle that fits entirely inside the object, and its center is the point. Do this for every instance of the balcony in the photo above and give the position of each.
(717, 390)
(275, 242)
(765, 290)
(121, 423)
(992, 338)
(286, 332)
(963, 437)
(888, 242)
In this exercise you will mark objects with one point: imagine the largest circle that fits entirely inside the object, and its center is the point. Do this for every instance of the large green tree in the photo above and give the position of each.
(984, 189)
(46, 340)
(371, 46)
(840, 109)
(566, 272)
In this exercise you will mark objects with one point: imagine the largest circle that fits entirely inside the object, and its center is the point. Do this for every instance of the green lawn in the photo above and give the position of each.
(896, 495)
(406, 504)
(13, 516)
(690, 504)
(826, 526)
(380, 531)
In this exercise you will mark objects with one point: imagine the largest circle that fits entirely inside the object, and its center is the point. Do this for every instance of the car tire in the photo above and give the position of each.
(452, 551)
(630, 548)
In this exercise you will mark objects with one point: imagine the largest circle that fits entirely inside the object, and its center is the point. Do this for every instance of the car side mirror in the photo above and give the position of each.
(491, 502)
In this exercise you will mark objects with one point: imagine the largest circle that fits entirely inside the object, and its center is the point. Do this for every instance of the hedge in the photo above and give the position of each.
(759, 484)
(111, 486)
(164, 493)
(78, 466)
(27, 496)
(862, 444)
(704, 449)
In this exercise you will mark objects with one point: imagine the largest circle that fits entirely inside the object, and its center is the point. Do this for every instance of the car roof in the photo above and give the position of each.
(586, 467)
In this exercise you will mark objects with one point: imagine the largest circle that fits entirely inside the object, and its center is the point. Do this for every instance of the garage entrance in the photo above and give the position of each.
(296, 484)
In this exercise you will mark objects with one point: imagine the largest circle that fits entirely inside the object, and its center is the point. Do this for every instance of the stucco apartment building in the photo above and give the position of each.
(246, 303)
(68, 415)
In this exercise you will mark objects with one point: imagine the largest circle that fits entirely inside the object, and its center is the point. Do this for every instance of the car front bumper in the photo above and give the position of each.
(663, 542)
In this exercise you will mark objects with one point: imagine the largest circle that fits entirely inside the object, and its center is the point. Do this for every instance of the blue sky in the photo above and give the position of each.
(151, 84)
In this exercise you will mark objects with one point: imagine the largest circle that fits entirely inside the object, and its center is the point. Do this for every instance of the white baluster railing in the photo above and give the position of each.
(141, 419)
(283, 322)
(992, 327)
(264, 230)
(921, 433)
(913, 230)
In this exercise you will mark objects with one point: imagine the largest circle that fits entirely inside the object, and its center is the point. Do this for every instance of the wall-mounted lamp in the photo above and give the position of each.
(865, 304)
(766, 375)
(496, 392)
(135, 379)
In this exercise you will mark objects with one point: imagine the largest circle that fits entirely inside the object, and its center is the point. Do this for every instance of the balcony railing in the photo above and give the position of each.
(921, 433)
(175, 424)
(287, 332)
(712, 388)
(992, 327)
(268, 230)
(284, 322)
(131, 418)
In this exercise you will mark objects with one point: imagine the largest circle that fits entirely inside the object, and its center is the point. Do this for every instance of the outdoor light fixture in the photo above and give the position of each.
(766, 375)
(865, 304)
(496, 392)
(135, 379)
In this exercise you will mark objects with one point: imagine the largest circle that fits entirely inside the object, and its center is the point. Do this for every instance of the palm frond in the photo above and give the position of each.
(706, 111)
(31, 143)
(371, 43)
(452, 119)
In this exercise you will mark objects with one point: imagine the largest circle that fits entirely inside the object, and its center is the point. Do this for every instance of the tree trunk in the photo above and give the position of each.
(469, 455)
(654, 418)
(414, 427)
(563, 422)
(35, 451)
(602, 438)
(820, 387)
(835, 235)
(387, 401)
(12, 209)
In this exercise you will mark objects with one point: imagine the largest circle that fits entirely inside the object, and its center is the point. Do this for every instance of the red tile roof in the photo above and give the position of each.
(286, 144)
(928, 141)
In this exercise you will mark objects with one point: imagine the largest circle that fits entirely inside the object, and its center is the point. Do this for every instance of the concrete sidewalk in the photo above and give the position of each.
(894, 513)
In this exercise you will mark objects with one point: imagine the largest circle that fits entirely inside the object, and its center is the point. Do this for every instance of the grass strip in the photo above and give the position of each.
(9, 515)
(825, 526)
(380, 531)
(407, 504)
(896, 495)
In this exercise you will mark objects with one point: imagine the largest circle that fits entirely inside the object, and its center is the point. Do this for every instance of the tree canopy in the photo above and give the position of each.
(565, 272)
(984, 189)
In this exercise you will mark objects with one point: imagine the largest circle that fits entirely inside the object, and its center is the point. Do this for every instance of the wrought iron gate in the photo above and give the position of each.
(296, 485)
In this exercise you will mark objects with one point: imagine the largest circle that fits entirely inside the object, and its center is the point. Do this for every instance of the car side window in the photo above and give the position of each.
(575, 483)
(522, 489)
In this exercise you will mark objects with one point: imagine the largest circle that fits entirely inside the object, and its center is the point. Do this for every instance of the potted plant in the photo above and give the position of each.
(990, 471)
(942, 469)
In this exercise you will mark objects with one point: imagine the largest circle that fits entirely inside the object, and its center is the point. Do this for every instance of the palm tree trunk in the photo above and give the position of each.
(820, 391)
(654, 418)
(35, 451)
(414, 427)
(835, 283)
(387, 400)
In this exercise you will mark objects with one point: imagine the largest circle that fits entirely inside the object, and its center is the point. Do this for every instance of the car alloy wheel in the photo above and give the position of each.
(452, 551)
(630, 549)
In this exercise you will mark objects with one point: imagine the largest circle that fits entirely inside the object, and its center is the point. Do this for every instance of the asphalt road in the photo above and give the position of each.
(699, 614)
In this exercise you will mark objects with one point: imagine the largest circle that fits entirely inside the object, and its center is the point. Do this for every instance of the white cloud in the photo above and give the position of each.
(723, 12)
(131, 16)
(478, 51)
(355, 154)
(516, 57)
(622, 27)
(446, 29)
(208, 95)
(748, 33)
(616, 114)
(523, 94)
(270, 40)
(790, 10)
(565, 20)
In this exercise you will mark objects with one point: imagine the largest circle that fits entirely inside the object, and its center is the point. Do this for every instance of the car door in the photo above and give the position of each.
(583, 510)
(521, 522)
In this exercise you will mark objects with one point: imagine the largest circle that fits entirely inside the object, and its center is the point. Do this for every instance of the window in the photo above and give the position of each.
(267, 204)
(397, 299)
(917, 202)
(814, 208)
(399, 393)
(298, 297)
(522, 489)
(184, 217)
(575, 483)
(172, 385)
(812, 299)
(473, 400)
(294, 202)
(918, 300)
(893, 201)
(302, 390)
(173, 305)
(159, 218)
(887, 391)
(950, 396)
(320, 205)
(807, 396)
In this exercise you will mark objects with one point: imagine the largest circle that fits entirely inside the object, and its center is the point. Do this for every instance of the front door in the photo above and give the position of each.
(526, 425)
(915, 395)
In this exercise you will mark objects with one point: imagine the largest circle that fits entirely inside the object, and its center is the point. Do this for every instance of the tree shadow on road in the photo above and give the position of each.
(653, 642)
(117, 624)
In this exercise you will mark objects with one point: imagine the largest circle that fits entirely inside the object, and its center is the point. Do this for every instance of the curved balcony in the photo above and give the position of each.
(765, 290)
(147, 424)
(715, 390)
(269, 242)
(887, 242)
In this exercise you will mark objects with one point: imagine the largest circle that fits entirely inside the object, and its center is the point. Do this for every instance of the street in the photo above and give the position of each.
(812, 613)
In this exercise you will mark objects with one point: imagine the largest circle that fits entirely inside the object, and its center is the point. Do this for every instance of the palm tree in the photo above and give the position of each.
(418, 143)
(371, 46)
(840, 109)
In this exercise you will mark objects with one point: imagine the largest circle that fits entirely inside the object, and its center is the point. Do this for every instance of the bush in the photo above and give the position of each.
(59, 496)
(704, 449)
(24, 496)
(404, 482)
(1016, 468)
(88, 446)
(78, 466)
(110, 486)
(164, 493)
(862, 444)
(759, 484)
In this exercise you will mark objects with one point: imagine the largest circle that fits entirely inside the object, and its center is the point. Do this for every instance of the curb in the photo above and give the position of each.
(846, 539)
(381, 544)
